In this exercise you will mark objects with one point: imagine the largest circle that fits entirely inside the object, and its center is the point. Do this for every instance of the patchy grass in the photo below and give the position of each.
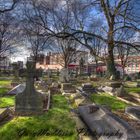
(7, 101)
(133, 90)
(111, 101)
(130, 84)
(5, 83)
(57, 124)
(3, 90)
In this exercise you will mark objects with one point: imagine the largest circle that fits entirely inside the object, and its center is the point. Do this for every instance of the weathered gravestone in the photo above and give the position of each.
(16, 79)
(55, 88)
(113, 87)
(49, 75)
(133, 111)
(64, 75)
(138, 83)
(106, 125)
(6, 115)
(30, 101)
(67, 88)
(18, 89)
(87, 89)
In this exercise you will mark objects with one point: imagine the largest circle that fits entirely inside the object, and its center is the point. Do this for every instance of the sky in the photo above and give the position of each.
(22, 53)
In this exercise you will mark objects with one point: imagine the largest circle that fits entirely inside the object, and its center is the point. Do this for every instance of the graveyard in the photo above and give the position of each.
(69, 70)
(59, 103)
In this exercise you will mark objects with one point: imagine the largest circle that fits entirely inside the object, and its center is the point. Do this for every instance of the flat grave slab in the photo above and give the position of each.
(106, 125)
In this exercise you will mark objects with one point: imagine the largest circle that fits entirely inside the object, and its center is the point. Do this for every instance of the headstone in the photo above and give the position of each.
(133, 111)
(67, 88)
(18, 89)
(49, 74)
(88, 87)
(138, 83)
(30, 101)
(106, 125)
(64, 75)
(6, 115)
(54, 88)
(120, 91)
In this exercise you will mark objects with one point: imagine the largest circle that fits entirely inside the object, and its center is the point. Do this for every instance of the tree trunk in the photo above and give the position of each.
(111, 70)
(96, 61)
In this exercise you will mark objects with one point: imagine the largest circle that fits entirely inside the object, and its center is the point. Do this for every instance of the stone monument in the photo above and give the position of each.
(64, 75)
(29, 102)
(49, 74)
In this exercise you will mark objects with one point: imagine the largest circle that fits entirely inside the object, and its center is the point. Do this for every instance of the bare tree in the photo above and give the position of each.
(66, 48)
(8, 33)
(117, 15)
(5, 8)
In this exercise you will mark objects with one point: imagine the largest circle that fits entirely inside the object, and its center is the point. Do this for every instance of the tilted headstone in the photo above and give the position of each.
(29, 101)
(16, 90)
(133, 111)
(120, 91)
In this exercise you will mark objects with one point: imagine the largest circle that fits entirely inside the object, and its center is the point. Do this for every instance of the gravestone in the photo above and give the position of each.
(49, 75)
(18, 89)
(67, 88)
(54, 88)
(6, 115)
(64, 75)
(120, 91)
(133, 111)
(138, 83)
(113, 87)
(30, 101)
(88, 87)
(16, 79)
(106, 125)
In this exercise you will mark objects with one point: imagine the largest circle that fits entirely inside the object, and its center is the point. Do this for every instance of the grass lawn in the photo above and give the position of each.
(57, 124)
(5, 83)
(3, 90)
(133, 89)
(7, 101)
(111, 101)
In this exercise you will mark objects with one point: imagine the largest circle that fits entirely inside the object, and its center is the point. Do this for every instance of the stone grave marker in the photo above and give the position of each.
(67, 88)
(133, 111)
(64, 75)
(49, 75)
(18, 89)
(106, 125)
(30, 101)
(88, 87)
(54, 88)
